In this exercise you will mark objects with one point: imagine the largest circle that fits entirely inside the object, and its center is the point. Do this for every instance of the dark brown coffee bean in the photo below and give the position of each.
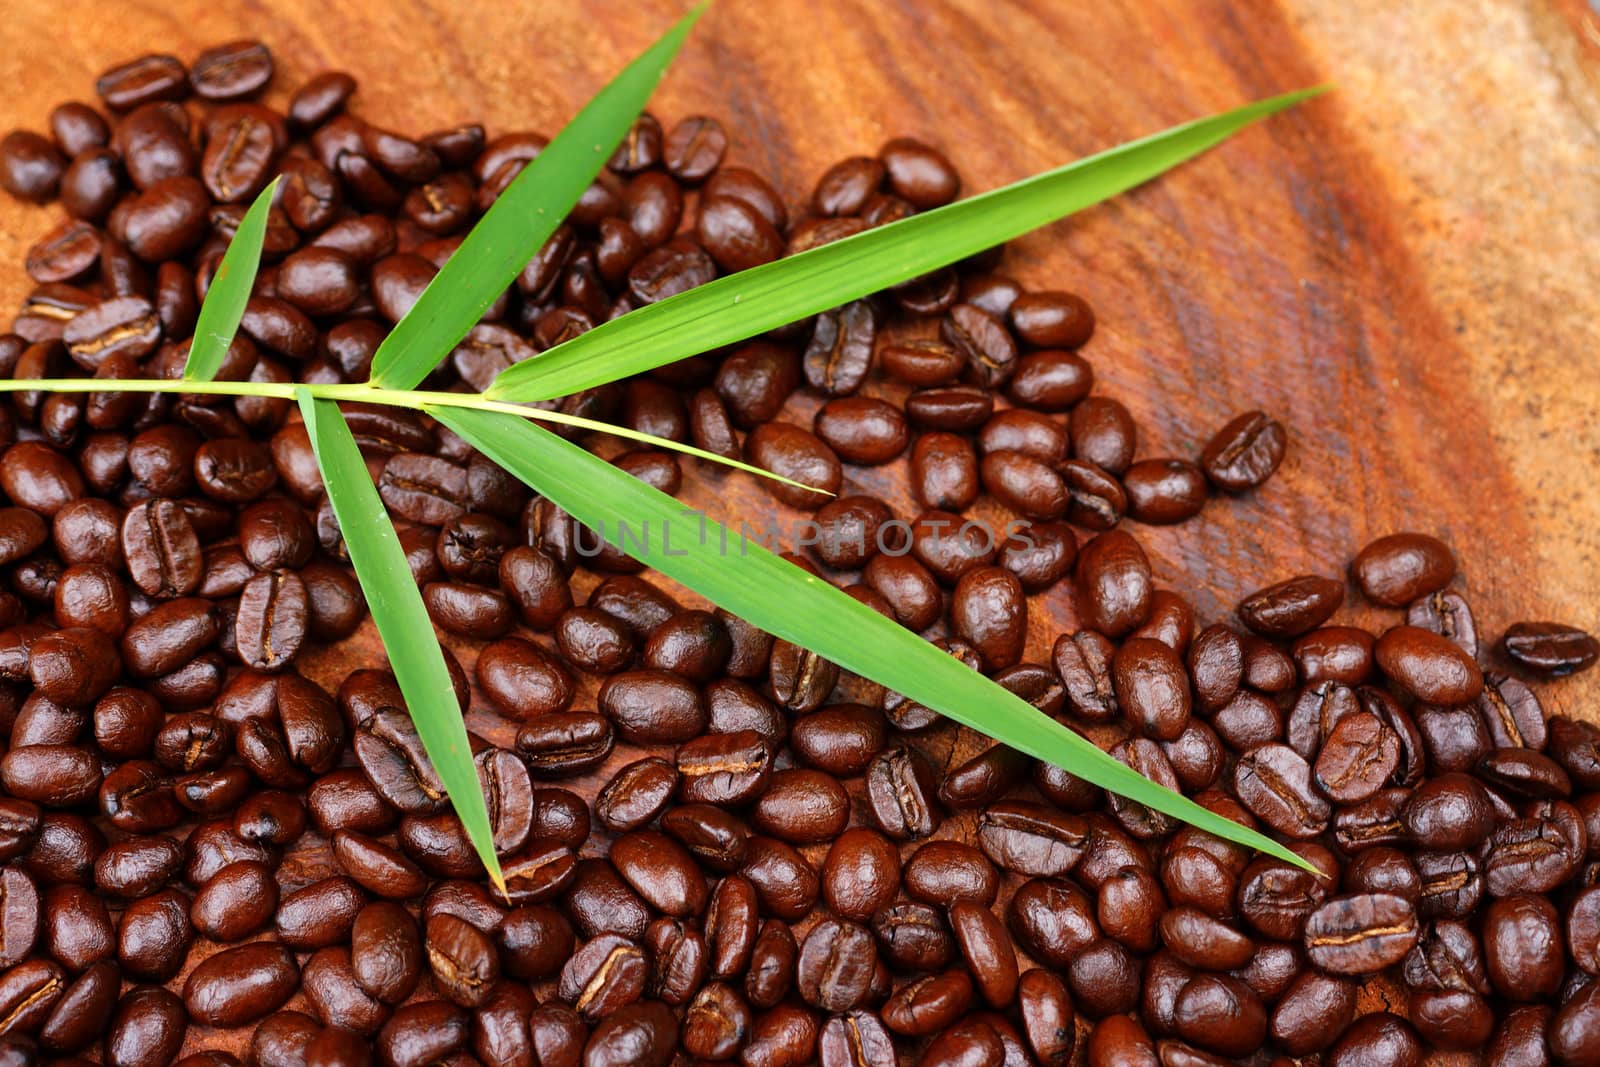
(1448, 615)
(1551, 648)
(693, 148)
(662, 871)
(1245, 452)
(1152, 687)
(564, 743)
(1400, 568)
(1052, 320)
(422, 1033)
(330, 986)
(1113, 583)
(1360, 934)
(1292, 607)
(320, 914)
(1275, 783)
(1031, 839)
(378, 868)
(987, 950)
(786, 885)
(836, 964)
(1163, 491)
(235, 902)
(1429, 667)
(154, 935)
(653, 707)
(162, 549)
(1358, 757)
(240, 985)
(900, 792)
(462, 958)
(861, 874)
(983, 342)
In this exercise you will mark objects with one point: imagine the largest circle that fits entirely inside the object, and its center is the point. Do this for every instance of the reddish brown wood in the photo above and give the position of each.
(1404, 271)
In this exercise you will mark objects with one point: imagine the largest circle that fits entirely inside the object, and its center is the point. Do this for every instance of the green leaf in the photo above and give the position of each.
(751, 302)
(402, 620)
(229, 292)
(521, 220)
(784, 600)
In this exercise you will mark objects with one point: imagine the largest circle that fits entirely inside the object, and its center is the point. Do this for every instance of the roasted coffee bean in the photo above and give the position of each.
(1031, 839)
(802, 807)
(330, 987)
(1358, 757)
(1245, 452)
(1112, 580)
(1292, 607)
(836, 964)
(900, 793)
(1400, 568)
(239, 985)
(785, 883)
(1452, 812)
(984, 778)
(1429, 667)
(678, 960)
(715, 837)
(987, 950)
(661, 871)
(235, 902)
(861, 874)
(1152, 687)
(840, 351)
(154, 935)
(1447, 614)
(320, 914)
(30, 166)
(1551, 648)
(1535, 853)
(1275, 784)
(422, 1033)
(162, 549)
(1360, 934)
(462, 959)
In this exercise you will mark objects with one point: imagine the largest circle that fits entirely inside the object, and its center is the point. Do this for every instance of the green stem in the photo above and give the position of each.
(361, 392)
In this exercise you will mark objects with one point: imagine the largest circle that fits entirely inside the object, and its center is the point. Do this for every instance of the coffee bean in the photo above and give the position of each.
(1429, 667)
(983, 342)
(1275, 783)
(1360, 934)
(1245, 452)
(240, 985)
(1550, 648)
(836, 964)
(785, 883)
(235, 902)
(987, 951)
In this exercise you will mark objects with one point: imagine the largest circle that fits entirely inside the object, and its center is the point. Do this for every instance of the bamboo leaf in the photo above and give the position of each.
(401, 618)
(784, 600)
(229, 292)
(751, 302)
(521, 220)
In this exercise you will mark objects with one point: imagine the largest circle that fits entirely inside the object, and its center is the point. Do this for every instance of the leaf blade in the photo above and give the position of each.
(402, 620)
(784, 600)
(223, 308)
(789, 289)
(521, 220)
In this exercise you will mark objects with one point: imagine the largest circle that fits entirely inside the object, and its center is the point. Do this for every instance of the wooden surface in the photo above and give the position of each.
(1404, 271)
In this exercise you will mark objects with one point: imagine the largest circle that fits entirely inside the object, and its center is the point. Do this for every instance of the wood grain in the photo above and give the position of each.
(1403, 271)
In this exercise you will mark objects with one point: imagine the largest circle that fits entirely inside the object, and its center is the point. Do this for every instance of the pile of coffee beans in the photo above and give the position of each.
(718, 846)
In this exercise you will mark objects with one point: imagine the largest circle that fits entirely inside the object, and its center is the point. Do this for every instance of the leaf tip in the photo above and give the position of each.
(497, 878)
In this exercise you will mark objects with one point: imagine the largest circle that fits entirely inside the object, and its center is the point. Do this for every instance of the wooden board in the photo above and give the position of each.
(1403, 271)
